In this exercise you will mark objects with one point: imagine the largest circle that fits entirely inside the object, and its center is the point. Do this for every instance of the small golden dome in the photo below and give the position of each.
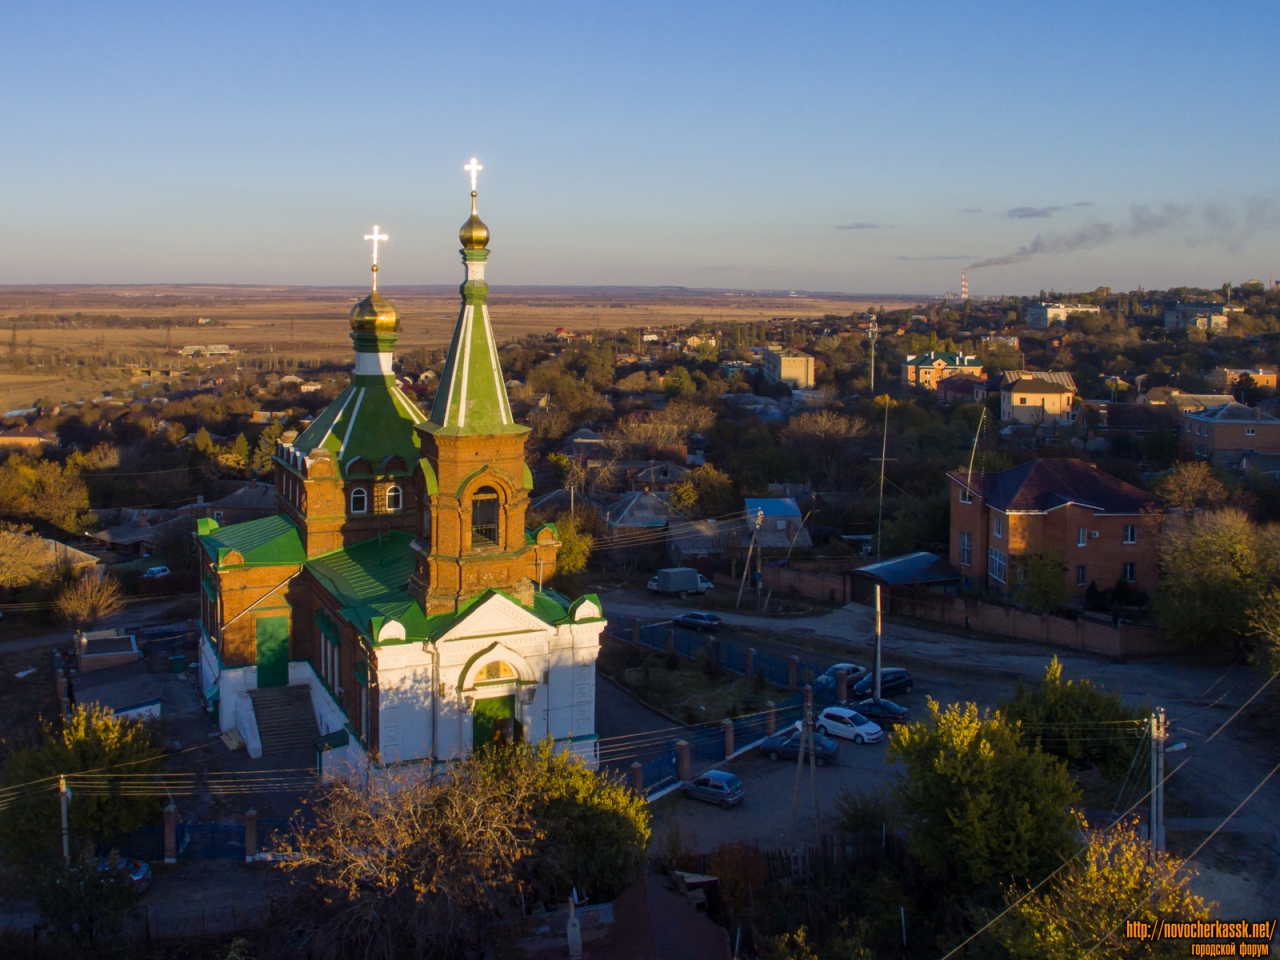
(474, 234)
(374, 315)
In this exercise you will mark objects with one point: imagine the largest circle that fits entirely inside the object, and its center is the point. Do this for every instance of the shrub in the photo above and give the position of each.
(88, 600)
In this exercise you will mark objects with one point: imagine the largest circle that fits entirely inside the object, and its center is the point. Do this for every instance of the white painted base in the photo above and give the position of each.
(373, 364)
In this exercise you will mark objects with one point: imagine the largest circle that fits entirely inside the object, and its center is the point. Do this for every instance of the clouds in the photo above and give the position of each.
(1208, 223)
(861, 226)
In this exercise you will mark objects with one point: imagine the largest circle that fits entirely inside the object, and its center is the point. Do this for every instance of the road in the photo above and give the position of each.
(1240, 868)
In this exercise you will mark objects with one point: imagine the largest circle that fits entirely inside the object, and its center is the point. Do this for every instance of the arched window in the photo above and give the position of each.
(495, 671)
(395, 499)
(359, 500)
(484, 518)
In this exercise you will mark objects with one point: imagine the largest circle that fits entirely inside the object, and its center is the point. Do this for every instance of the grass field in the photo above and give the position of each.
(311, 322)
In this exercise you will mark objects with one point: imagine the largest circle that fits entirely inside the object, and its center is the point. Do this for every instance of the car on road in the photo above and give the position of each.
(892, 680)
(138, 872)
(849, 725)
(785, 745)
(156, 573)
(679, 581)
(715, 786)
(825, 682)
(884, 712)
(698, 620)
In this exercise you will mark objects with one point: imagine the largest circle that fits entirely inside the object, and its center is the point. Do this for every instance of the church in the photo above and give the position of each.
(396, 609)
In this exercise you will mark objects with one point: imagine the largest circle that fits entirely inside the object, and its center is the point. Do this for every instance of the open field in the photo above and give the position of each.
(311, 322)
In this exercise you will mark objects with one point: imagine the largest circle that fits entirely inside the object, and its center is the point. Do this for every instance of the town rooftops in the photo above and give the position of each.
(1060, 377)
(1233, 412)
(771, 507)
(642, 510)
(1037, 386)
(1042, 485)
(29, 433)
(945, 358)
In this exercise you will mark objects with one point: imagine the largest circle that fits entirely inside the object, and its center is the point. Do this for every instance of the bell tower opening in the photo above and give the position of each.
(484, 518)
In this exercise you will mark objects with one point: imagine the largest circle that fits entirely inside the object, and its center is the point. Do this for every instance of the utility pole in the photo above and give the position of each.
(884, 449)
(1155, 832)
(873, 332)
(878, 632)
(64, 800)
(746, 566)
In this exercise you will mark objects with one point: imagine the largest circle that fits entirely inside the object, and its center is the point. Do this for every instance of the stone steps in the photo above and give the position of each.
(286, 719)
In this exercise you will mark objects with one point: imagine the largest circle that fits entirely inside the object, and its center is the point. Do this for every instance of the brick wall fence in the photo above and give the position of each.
(1126, 640)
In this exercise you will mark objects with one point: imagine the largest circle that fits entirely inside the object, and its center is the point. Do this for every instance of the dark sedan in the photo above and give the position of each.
(699, 620)
(892, 680)
(785, 745)
(884, 712)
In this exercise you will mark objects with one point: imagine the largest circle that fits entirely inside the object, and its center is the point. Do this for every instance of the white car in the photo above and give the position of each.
(849, 725)
(155, 573)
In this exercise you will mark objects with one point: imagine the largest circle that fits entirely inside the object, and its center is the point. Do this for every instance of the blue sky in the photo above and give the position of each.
(861, 147)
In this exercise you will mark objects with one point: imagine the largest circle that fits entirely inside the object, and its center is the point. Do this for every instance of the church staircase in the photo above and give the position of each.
(286, 719)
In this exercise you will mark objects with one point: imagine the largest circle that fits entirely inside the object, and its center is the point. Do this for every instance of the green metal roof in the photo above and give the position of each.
(472, 399)
(268, 541)
(372, 419)
(374, 569)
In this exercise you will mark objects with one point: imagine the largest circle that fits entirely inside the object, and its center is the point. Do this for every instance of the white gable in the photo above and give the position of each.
(495, 617)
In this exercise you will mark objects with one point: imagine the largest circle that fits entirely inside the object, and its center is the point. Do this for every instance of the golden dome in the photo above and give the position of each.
(374, 315)
(474, 234)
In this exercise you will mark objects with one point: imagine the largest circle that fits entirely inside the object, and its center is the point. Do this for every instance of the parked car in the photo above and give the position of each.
(785, 745)
(138, 872)
(715, 786)
(892, 680)
(848, 724)
(884, 712)
(680, 581)
(825, 682)
(155, 573)
(699, 620)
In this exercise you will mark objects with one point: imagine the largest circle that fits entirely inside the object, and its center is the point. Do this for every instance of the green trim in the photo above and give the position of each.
(483, 468)
(374, 342)
(332, 741)
(429, 476)
(528, 477)
(362, 673)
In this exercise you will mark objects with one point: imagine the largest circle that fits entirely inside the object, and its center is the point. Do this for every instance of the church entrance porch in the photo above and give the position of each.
(273, 651)
(494, 720)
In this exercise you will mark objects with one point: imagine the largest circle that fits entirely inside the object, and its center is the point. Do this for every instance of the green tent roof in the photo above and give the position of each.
(269, 541)
(472, 399)
(372, 419)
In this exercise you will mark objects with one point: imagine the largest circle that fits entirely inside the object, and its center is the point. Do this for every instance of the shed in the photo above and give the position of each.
(907, 575)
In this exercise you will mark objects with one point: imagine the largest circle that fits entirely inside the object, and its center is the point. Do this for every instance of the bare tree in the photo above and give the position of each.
(826, 440)
(22, 556)
(89, 599)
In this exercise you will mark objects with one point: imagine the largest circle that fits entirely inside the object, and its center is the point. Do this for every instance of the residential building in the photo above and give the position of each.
(781, 526)
(1231, 377)
(1101, 529)
(1041, 315)
(1213, 317)
(1225, 433)
(963, 388)
(1000, 341)
(27, 437)
(784, 365)
(929, 369)
(1036, 397)
(393, 611)
(251, 501)
(1183, 402)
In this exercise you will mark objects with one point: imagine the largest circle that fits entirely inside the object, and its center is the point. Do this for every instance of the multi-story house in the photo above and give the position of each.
(1101, 529)
(792, 367)
(1041, 315)
(1227, 432)
(929, 369)
(1035, 397)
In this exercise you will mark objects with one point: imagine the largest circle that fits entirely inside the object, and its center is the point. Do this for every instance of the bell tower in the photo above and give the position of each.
(474, 481)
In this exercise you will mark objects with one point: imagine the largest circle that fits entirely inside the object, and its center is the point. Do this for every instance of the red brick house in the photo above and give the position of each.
(1102, 529)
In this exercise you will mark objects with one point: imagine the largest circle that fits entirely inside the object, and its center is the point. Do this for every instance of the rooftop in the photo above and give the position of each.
(1043, 485)
(921, 567)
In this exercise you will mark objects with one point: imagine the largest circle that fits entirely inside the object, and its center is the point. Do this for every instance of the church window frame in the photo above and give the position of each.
(359, 501)
(394, 499)
(486, 518)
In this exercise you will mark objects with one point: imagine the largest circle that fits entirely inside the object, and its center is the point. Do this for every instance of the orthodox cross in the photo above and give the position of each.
(375, 237)
(473, 168)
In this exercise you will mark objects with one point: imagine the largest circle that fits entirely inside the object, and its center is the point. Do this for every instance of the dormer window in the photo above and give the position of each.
(395, 499)
(359, 500)
(484, 518)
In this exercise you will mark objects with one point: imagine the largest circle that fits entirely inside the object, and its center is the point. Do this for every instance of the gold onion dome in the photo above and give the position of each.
(374, 315)
(474, 234)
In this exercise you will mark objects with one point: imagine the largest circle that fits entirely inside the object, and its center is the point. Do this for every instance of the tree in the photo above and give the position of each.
(43, 490)
(204, 442)
(575, 545)
(982, 807)
(704, 492)
(1085, 907)
(1076, 721)
(83, 901)
(22, 556)
(262, 464)
(90, 739)
(1191, 485)
(88, 600)
(414, 866)
(1041, 583)
(1214, 568)
(825, 441)
(678, 383)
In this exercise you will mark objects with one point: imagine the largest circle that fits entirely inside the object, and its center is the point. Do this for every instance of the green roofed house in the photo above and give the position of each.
(393, 611)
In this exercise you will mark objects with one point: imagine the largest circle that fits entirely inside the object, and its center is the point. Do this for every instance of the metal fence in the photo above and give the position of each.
(659, 772)
(210, 841)
(204, 841)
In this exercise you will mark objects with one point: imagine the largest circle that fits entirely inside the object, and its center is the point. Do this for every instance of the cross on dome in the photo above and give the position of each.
(375, 237)
(473, 168)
